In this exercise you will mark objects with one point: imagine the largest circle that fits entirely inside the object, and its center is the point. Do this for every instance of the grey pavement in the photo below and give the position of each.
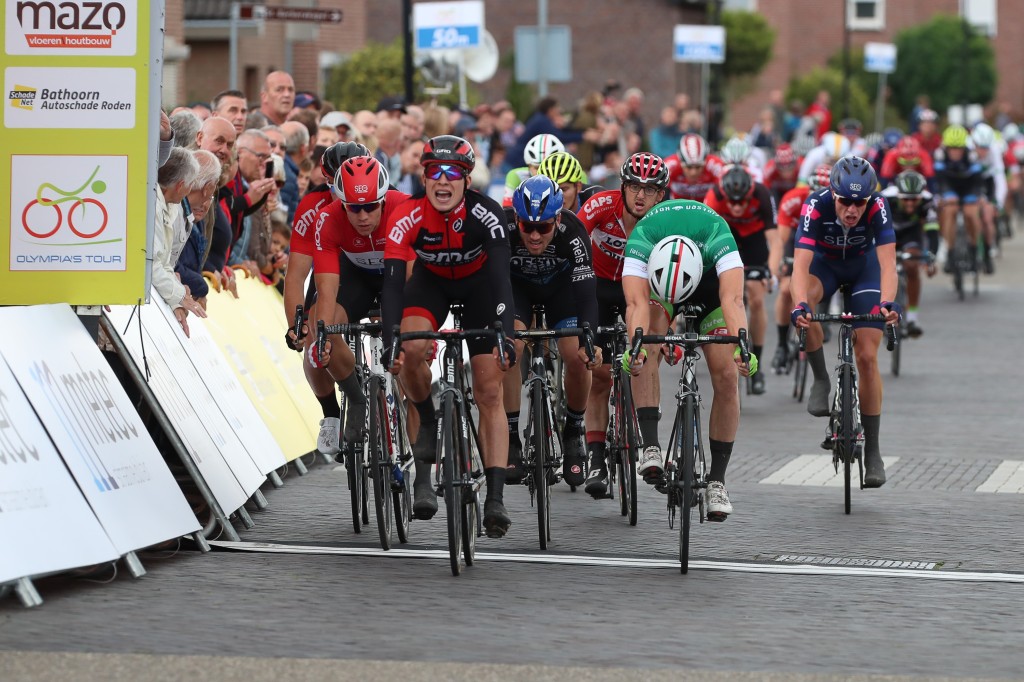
(949, 418)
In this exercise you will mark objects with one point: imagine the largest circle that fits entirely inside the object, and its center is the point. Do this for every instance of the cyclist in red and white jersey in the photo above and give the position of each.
(749, 208)
(610, 217)
(300, 263)
(790, 209)
(461, 248)
(736, 152)
(688, 174)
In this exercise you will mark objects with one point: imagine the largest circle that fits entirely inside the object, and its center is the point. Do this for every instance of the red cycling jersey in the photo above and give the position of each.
(892, 166)
(315, 201)
(759, 214)
(681, 188)
(601, 214)
(776, 182)
(791, 205)
(335, 236)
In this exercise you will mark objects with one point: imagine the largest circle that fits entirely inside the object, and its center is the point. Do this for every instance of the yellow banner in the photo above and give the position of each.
(250, 332)
(78, 158)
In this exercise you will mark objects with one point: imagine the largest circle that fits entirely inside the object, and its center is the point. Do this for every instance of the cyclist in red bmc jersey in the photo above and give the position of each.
(688, 173)
(610, 217)
(348, 265)
(461, 245)
(790, 209)
(300, 263)
(780, 173)
(749, 208)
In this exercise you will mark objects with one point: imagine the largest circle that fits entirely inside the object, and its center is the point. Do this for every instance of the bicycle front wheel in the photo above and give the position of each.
(847, 437)
(380, 462)
(356, 468)
(452, 486)
(628, 454)
(541, 453)
(687, 480)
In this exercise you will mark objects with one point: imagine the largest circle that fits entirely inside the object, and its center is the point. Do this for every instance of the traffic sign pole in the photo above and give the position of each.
(233, 47)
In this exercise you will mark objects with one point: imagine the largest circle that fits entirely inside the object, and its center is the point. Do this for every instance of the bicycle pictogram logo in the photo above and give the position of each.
(87, 217)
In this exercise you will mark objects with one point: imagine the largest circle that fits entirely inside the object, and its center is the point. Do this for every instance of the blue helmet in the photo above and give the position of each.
(537, 199)
(852, 178)
(891, 137)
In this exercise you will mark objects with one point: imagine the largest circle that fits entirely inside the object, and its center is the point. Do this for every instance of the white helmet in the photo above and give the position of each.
(674, 269)
(983, 136)
(693, 150)
(539, 146)
(836, 146)
(736, 151)
(1011, 131)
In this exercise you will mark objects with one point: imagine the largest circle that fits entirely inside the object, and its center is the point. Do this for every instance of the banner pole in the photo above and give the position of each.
(27, 593)
(134, 566)
(172, 435)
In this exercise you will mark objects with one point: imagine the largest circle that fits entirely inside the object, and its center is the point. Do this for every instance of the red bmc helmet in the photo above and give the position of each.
(361, 180)
(448, 149)
(645, 168)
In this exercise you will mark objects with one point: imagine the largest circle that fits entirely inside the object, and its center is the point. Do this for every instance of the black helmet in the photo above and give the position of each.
(910, 184)
(449, 149)
(852, 178)
(736, 184)
(337, 154)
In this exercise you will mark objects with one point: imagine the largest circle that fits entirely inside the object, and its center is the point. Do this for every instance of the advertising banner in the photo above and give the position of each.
(78, 162)
(171, 380)
(250, 332)
(94, 426)
(45, 523)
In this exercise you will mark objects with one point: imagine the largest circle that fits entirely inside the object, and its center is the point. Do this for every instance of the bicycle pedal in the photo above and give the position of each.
(827, 443)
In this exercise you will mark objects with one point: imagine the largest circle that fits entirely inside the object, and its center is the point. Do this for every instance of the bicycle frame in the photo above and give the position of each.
(623, 426)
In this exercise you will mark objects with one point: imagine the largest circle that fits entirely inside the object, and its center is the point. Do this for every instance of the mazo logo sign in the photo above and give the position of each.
(90, 27)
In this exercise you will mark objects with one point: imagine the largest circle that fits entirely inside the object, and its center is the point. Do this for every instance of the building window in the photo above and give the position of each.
(865, 15)
(744, 5)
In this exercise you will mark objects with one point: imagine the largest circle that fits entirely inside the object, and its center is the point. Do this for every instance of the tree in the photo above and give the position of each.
(806, 87)
(933, 59)
(376, 71)
(748, 43)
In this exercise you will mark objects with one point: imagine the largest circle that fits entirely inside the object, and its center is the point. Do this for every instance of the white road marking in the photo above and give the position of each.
(1007, 478)
(636, 562)
(816, 470)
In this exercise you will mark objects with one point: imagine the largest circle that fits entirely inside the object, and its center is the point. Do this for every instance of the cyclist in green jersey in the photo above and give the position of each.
(702, 268)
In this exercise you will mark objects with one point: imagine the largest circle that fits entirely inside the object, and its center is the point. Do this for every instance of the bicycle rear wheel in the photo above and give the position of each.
(541, 454)
(687, 480)
(847, 437)
(401, 490)
(380, 462)
(451, 484)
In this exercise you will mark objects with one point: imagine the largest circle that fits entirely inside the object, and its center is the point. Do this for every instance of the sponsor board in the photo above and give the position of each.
(84, 27)
(68, 213)
(69, 98)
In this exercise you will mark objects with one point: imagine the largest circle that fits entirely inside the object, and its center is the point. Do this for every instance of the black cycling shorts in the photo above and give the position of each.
(358, 290)
(753, 249)
(556, 296)
(430, 296)
(611, 303)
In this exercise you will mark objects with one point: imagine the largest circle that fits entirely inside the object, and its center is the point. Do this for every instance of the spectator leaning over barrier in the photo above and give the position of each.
(231, 105)
(186, 126)
(217, 248)
(277, 97)
(204, 188)
(296, 148)
(253, 153)
(175, 180)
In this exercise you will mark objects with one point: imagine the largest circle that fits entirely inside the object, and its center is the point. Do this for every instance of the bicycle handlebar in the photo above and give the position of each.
(692, 340)
(846, 318)
(583, 332)
(448, 336)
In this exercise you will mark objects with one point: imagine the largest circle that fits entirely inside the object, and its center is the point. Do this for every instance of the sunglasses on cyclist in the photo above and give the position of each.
(359, 208)
(540, 228)
(852, 202)
(449, 172)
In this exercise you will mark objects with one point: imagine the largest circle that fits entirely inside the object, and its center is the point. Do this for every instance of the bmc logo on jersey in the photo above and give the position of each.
(489, 220)
(404, 224)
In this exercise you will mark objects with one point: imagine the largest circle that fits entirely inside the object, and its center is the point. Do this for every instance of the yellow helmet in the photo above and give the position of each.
(954, 136)
(561, 167)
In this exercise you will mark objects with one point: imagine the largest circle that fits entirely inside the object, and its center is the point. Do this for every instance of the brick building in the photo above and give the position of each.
(627, 40)
(306, 50)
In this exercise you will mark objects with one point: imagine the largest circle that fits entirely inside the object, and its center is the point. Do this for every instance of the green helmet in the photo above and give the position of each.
(910, 184)
(954, 136)
(561, 167)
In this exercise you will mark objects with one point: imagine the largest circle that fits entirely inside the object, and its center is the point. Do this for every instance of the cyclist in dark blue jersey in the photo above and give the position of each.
(846, 236)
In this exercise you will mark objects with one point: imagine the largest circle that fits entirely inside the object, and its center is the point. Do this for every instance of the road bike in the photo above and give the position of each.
(542, 458)
(622, 436)
(901, 300)
(383, 453)
(963, 259)
(685, 475)
(844, 435)
(459, 471)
